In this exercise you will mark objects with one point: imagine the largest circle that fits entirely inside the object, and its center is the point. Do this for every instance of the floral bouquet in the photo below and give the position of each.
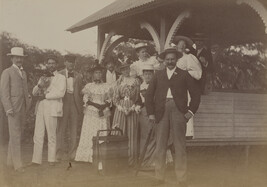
(127, 111)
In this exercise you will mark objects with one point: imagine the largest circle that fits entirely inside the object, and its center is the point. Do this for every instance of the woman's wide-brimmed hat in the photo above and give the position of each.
(170, 50)
(187, 40)
(16, 51)
(140, 45)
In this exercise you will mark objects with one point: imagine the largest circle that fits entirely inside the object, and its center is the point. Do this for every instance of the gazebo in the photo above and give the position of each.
(224, 118)
(233, 21)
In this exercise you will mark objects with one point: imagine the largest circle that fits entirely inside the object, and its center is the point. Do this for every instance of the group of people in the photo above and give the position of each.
(154, 93)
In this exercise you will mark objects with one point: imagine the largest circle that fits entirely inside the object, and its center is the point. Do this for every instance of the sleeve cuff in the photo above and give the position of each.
(191, 112)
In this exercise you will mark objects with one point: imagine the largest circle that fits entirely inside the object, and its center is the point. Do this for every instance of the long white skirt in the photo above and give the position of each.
(91, 124)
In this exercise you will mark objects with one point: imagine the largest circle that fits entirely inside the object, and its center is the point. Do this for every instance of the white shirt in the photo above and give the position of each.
(69, 83)
(169, 74)
(19, 69)
(110, 77)
(143, 86)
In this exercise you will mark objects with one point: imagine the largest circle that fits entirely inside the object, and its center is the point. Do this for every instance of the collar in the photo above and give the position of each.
(55, 72)
(144, 86)
(112, 73)
(68, 71)
(19, 68)
(171, 71)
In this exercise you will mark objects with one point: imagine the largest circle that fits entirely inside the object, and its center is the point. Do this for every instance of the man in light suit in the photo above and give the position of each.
(72, 108)
(16, 101)
(166, 104)
(110, 75)
(50, 91)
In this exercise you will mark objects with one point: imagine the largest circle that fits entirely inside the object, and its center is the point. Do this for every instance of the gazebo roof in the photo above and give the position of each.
(116, 10)
(120, 9)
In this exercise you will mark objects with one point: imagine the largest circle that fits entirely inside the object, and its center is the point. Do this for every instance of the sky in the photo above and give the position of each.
(42, 23)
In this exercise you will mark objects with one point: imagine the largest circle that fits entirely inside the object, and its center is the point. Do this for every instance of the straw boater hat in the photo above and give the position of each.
(187, 40)
(170, 50)
(17, 51)
(140, 45)
(148, 67)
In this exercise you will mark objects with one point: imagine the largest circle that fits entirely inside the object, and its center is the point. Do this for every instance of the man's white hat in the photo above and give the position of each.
(147, 67)
(140, 45)
(16, 51)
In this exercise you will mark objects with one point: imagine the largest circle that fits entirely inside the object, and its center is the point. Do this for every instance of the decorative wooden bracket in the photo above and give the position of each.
(152, 31)
(176, 25)
(105, 44)
(115, 43)
(258, 8)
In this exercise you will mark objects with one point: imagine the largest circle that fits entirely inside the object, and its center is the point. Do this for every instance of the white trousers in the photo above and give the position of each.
(44, 121)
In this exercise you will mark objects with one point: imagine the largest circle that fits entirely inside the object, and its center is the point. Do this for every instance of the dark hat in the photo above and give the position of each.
(70, 58)
(97, 67)
(170, 50)
(52, 56)
(187, 40)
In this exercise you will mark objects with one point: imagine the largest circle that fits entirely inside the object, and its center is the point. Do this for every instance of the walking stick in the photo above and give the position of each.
(142, 155)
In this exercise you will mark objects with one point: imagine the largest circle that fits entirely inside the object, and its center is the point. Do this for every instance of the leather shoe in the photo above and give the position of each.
(20, 170)
(158, 182)
(32, 164)
(51, 163)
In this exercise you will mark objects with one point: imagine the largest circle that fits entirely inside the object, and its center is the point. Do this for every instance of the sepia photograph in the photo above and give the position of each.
(133, 93)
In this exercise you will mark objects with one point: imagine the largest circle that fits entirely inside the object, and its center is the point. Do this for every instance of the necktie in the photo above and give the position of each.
(70, 74)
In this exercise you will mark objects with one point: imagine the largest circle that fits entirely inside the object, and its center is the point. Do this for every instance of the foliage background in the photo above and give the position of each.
(236, 67)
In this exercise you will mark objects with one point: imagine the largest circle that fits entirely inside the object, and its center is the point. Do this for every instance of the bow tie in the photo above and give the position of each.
(70, 75)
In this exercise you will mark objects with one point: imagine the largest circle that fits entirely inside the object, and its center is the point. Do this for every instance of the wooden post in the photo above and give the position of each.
(1, 60)
(247, 147)
(162, 36)
(100, 40)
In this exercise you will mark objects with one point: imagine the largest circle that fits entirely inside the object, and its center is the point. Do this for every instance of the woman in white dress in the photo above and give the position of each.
(190, 63)
(143, 59)
(96, 113)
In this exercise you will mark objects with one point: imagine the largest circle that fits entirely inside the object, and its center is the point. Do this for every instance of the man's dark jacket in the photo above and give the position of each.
(180, 83)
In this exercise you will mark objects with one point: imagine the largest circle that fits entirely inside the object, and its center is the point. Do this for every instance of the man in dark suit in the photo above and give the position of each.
(205, 58)
(166, 104)
(72, 108)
